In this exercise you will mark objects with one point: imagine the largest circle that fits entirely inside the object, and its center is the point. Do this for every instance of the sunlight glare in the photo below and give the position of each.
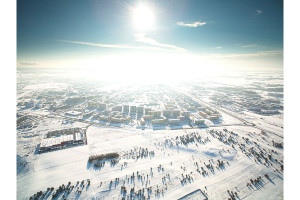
(146, 67)
(143, 18)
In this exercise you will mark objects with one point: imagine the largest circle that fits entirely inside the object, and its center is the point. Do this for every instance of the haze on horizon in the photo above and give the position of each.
(158, 37)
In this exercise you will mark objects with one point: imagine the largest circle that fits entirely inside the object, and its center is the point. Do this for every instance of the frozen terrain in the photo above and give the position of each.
(239, 156)
(177, 160)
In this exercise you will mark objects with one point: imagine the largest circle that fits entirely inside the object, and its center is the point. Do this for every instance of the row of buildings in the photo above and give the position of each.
(170, 114)
(140, 110)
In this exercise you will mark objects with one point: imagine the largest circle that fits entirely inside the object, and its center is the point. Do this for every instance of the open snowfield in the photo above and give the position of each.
(273, 123)
(230, 157)
(175, 166)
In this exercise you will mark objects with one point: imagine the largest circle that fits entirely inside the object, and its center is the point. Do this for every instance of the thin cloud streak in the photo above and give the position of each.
(28, 63)
(194, 25)
(218, 47)
(156, 45)
(119, 46)
(146, 40)
(249, 45)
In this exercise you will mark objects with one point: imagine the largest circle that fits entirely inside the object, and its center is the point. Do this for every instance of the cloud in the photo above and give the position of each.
(259, 12)
(118, 46)
(194, 25)
(28, 63)
(249, 45)
(247, 55)
(218, 47)
(143, 39)
(156, 45)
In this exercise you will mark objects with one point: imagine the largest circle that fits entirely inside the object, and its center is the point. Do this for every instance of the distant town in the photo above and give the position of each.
(79, 139)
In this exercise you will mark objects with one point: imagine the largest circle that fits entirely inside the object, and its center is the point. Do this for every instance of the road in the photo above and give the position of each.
(246, 122)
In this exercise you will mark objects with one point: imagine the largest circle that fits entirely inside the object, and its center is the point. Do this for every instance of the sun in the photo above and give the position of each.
(143, 18)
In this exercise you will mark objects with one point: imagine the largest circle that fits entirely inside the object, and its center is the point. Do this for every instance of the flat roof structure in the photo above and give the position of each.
(56, 141)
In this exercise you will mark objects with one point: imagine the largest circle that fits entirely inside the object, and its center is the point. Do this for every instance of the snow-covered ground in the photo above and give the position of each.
(272, 123)
(55, 168)
(228, 159)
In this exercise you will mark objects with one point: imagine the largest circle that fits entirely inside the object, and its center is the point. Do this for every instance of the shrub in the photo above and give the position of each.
(100, 157)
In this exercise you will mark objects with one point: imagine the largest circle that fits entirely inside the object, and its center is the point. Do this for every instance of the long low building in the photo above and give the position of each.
(198, 121)
(203, 114)
(213, 117)
(147, 117)
(158, 121)
(155, 114)
(116, 120)
(174, 121)
(58, 142)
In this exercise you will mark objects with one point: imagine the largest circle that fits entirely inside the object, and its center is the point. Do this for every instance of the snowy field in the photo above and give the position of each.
(230, 158)
(174, 170)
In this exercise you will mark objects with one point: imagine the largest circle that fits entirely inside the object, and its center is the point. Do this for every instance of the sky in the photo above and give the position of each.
(164, 35)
